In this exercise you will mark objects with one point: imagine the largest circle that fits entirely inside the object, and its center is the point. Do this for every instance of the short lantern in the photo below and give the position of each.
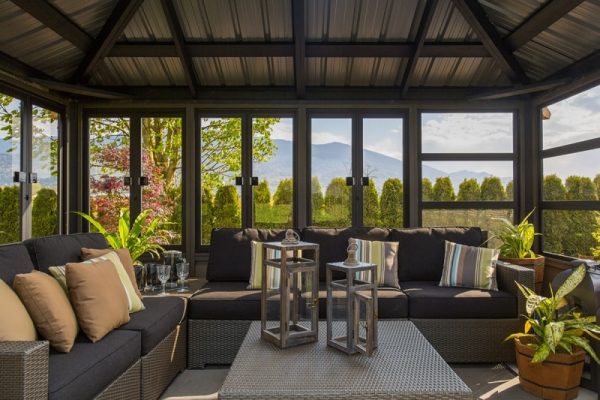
(352, 307)
(290, 293)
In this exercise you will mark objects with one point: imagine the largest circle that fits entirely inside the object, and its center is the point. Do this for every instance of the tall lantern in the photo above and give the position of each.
(290, 293)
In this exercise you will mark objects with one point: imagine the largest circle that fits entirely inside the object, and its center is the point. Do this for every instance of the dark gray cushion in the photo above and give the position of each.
(232, 301)
(54, 250)
(161, 316)
(428, 300)
(333, 242)
(14, 260)
(421, 250)
(230, 252)
(90, 367)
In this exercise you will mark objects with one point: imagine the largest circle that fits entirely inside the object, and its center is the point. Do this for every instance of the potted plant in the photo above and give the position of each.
(142, 237)
(516, 242)
(551, 350)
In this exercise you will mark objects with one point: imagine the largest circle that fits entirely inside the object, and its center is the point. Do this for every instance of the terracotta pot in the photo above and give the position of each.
(557, 378)
(537, 264)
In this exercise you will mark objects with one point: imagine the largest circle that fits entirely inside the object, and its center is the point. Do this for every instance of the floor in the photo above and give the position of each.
(487, 381)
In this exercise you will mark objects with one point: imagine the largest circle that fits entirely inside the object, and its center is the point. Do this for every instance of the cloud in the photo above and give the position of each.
(322, 137)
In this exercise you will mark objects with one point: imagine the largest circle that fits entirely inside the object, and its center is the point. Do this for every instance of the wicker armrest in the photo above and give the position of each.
(507, 274)
(24, 370)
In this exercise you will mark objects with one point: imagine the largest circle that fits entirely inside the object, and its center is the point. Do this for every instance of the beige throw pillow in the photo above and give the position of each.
(49, 308)
(98, 297)
(124, 256)
(15, 322)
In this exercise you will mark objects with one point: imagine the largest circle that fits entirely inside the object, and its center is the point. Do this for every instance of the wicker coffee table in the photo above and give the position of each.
(405, 366)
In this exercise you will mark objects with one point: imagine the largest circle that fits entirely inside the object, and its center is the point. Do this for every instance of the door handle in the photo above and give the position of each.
(254, 181)
(239, 180)
(349, 181)
(143, 181)
(127, 180)
(365, 181)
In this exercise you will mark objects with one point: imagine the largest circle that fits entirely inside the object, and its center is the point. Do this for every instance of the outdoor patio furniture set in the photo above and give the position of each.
(140, 359)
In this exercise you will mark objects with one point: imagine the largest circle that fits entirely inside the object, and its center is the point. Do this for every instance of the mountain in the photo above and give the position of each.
(332, 160)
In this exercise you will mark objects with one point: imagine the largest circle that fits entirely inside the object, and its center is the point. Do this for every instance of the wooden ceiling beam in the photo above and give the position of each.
(389, 50)
(417, 48)
(108, 36)
(478, 20)
(539, 22)
(520, 90)
(179, 43)
(55, 20)
(298, 22)
(18, 68)
(80, 90)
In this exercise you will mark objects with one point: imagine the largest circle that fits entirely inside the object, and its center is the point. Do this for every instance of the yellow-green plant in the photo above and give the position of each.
(139, 238)
(517, 240)
(551, 326)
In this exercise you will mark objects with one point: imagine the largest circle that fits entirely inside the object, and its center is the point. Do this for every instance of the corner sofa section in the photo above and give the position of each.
(136, 361)
(464, 325)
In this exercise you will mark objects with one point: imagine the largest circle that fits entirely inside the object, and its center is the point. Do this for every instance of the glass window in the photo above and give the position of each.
(331, 163)
(572, 177)
(467, 132)
(572, 233)
(467, 180)
(220, 164)
(44, 218)
(161, 164)
(272, 164)
(485, 219)
(572, 120)
(382, 164)
(109, 166)
(10, 161)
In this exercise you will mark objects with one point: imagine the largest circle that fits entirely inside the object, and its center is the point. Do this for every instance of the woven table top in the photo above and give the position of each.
(404, 366)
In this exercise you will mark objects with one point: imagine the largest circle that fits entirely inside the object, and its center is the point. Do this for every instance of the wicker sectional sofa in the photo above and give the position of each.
(136, 361)
(464, 325)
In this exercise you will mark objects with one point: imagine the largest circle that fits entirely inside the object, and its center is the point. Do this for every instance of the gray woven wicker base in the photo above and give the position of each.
(163, 363)
(471, 340)
(127, 386)
(214, 341)
(404, 366)
(24, 370)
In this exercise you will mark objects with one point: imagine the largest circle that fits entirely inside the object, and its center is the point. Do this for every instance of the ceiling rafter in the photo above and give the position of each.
(55, 20)
(179, 43)
(478, 20)
(417, 47)
(539, 22)
(108, 36)
(299, 22)
(386, 50)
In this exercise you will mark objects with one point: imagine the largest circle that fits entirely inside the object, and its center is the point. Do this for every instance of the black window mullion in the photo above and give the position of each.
(135, 165)
(357, 170)
(246, 191)
(26, 166)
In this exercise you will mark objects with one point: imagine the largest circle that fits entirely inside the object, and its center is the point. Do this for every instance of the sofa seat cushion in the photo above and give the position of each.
(428, 300)
(157, 321)
(90, 367)
(232, 301)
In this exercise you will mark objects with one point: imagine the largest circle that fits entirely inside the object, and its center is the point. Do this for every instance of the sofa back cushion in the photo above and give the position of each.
(421, 250)
(14, 260)
(230, 252)
(333, 242)
(61, 249)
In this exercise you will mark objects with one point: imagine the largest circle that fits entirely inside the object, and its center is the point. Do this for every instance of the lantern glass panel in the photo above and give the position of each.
(273, 303)
(339, 305)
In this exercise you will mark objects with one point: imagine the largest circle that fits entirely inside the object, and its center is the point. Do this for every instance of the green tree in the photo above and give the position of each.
(597, 183)
(554, 188)
(44, 220)
(316, 194)
(338, 202)
(371, 205)
(208, 219)
(10, 214)
(392, 200)
(262, 193)
(426, 189)
(509, 191)
(284, 193)
(554, 220)
(578, 240)
(227, 207)
(580, 188)
(468, 190)
(492, 189)
(443, 190)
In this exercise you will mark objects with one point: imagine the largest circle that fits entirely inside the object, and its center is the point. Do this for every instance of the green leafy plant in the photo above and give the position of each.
(517, 240)
(551, 326)
(140, 238)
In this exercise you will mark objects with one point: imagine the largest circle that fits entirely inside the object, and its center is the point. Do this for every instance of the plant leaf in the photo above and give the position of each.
(541, 354)
(553, 333)
(572, 281)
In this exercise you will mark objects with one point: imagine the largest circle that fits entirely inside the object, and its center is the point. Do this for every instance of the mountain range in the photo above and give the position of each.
(332, 160)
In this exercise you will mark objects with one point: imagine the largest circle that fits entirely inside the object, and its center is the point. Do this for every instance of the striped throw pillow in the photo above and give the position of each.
(58, 273)
(467, 266)
(384, 255)
(256, 267)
